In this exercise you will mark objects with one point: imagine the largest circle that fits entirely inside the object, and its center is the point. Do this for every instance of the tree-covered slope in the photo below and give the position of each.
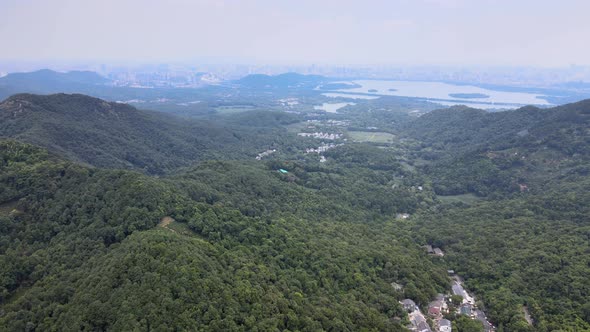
(234, 244)
(114, 135)
(462, 128)
(90, 249)
(361, 183)
(529, 251)
(503, 152)
(527, 245)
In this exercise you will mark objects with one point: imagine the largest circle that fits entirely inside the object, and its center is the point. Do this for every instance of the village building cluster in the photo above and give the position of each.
(441, 306)
(265, 153)
(289, 102)
(331, 123)
(321, 135)
(419, 323)
(322, 148)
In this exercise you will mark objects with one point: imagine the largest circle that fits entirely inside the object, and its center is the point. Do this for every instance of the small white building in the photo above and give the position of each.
(444, 325)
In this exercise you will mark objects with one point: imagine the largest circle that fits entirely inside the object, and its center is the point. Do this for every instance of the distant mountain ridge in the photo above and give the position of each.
(47, 75)
(47, 81)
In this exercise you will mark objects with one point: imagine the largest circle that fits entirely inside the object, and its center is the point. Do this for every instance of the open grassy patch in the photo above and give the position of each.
(181, 228)
(371, 137)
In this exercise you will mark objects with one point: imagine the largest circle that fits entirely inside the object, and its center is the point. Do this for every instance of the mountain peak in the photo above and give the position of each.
(72, 104)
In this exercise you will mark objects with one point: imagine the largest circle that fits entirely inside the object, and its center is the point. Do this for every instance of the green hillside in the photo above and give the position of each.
(90, 239)
(527, 243)
(82, 249)
(484, 153)
(106, 134)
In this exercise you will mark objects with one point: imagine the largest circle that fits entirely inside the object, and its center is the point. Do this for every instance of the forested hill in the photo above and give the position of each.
(88, 249)
(224, 242)
(525, 246)
(473, 151)
(462, 127)
(114, 135)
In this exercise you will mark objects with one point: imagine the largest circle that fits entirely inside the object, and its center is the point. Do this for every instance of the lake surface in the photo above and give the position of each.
(438, 92)
(332, 107)
(348, 95)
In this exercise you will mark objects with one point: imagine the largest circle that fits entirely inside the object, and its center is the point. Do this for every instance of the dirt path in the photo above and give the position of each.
(527, 315)
(165, 222)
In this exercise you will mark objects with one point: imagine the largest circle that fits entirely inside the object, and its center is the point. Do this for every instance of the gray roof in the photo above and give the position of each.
(424, 327)
(408, 302)
(458, 290)
(444, 322)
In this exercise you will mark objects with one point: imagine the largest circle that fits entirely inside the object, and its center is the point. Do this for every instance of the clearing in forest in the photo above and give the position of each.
(165, 222)
(371, 136)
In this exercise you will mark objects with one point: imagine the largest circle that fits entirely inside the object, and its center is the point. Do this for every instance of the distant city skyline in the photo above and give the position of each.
(199, 74)
(379, 32)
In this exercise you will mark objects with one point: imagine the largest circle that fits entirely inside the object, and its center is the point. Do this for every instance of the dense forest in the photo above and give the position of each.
(528, 243)
(115, 135)
(485, 153)
(531, 252)
(114, 218)
(81, 250)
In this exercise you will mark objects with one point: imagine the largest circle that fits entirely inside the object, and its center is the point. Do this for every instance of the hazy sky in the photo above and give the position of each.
(418, 32)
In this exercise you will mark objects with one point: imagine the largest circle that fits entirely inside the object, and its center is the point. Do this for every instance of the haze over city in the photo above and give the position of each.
(401, 32)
